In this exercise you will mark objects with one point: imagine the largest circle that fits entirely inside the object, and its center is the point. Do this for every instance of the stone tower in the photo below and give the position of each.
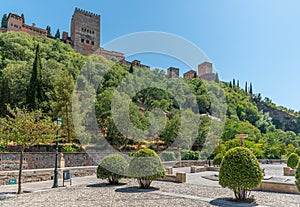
(85, 31)
(204, 68)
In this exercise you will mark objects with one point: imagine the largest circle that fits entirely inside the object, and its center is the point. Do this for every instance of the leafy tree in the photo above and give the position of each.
(57, 34)
(218, 159)
(293, 160)
(240, 171)
(113, 167)
(26, 129)
(62, 104)
(34, 95)
(5, 96)
(146, 166)
(4, 21)
(48, 28)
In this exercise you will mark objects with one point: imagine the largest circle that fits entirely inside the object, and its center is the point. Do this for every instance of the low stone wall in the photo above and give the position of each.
(278, 187)
(185, 163)
(287, 171)
(33, 160)
(44, 174)
(179, 177)
(197, 169)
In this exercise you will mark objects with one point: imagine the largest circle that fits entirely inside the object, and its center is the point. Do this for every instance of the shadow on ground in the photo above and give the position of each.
(226, 202)
(104, 185)
(135, 189)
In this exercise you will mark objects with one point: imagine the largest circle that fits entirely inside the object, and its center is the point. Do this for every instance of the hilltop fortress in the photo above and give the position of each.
(86, 39)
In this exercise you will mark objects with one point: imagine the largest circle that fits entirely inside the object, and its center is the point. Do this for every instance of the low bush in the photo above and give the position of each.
(293, 160)
(113, 167)
(297, 176)
(190, 155)
(218, 159)
(168, 156)
(240, 171)
(145, 166)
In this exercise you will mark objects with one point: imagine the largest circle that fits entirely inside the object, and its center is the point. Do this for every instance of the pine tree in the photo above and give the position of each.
(57, 34)
(4, 21)
(131, 69)
(246, 87)
(22, 15)
(251, 89)
(48, 28)
(34, 94)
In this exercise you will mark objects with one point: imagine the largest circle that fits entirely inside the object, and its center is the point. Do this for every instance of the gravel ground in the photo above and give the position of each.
(163, 194)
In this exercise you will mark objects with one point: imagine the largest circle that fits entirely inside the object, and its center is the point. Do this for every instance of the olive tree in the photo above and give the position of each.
(240, 171)
(26, 129)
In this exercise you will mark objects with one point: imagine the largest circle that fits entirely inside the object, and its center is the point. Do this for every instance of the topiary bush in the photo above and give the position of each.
(218, 159)
(168, 156)
(145, 166)
(113, 167)
(297, 176)
(240, 171)
(293, 160)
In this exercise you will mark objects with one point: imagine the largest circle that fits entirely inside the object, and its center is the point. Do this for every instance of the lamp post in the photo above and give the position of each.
(58, 122)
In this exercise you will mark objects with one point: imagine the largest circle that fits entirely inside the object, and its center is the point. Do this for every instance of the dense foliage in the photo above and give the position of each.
(293, 160)
(145, 166)
(168, 156)
(240, 171)
(28, 61)
(113, 167)
(297, 176)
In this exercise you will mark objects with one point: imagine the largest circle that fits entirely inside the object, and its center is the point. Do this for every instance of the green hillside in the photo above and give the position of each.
(61, 66)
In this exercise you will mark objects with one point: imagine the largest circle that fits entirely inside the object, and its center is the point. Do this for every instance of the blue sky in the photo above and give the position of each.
(251, 40)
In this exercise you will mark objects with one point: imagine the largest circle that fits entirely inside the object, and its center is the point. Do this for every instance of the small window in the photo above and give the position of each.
(11, 24)
(93, 42)
(82, 40)
(87, 41)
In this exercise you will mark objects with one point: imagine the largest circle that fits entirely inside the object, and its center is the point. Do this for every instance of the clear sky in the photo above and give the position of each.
(250, 40)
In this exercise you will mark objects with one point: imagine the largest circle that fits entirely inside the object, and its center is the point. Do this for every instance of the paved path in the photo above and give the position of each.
(89, 191)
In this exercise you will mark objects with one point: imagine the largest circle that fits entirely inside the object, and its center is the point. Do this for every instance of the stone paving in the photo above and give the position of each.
(89, 191)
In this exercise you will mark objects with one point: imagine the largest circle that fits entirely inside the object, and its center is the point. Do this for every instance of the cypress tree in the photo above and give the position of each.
(195, 75)
(131, 69)
(34, 92)
(57, 34)
(5, 96)
(246, 87)
(251, 90)
(238, 84)
(4, 21)
(233, 82)
(22, 15)
(217, 78)
(230, 84)
(48, 28)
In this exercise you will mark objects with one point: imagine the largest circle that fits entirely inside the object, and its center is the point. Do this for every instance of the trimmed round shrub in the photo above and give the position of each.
(113, 167)
(292, 160)
(240, 171)
(297, 176)
(168, 156)
(218, 159)
(145, 166)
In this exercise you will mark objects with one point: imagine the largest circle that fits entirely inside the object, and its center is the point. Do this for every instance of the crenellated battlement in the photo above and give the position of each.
(87, 13)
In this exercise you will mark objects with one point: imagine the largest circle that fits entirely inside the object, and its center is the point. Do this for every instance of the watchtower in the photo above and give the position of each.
(85, 31)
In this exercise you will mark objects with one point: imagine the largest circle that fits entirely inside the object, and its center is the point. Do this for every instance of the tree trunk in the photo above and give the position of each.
(20, 171)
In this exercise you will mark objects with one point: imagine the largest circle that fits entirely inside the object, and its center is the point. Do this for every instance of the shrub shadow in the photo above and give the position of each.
(135, 189)
(229, 202)
(104, 185)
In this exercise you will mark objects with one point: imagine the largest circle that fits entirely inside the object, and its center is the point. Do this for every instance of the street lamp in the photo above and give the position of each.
(58, 122)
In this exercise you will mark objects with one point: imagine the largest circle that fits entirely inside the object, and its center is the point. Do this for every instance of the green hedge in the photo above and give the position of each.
(297, 176)
(190, 155)
(168, 156)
